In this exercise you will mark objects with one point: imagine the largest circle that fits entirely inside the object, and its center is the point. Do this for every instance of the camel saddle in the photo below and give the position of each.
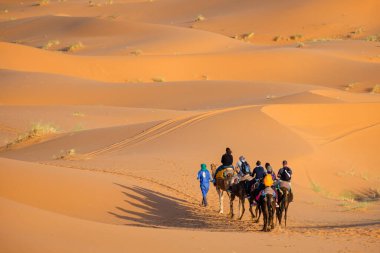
(222, 174)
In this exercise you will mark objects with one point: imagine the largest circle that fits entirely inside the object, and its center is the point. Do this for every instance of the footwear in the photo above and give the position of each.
(254, 203)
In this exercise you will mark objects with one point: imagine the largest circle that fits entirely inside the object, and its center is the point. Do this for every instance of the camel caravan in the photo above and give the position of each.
(267, 193)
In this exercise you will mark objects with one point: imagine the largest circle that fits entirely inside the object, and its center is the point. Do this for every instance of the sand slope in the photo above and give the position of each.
(155, 88)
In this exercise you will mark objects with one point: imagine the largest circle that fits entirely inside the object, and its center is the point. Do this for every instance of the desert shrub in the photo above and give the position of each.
(376, 89)
(137, 52)
(296, 37)
(74, 47)
(37, 130)
(200, 18)
(65, 154)
(43, 3)
(51, 43)
(158, 79)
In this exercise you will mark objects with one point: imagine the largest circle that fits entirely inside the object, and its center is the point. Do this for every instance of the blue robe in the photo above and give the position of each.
(204, 178)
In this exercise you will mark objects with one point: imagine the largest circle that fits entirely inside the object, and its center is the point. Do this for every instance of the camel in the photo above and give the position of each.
(268, 207)
(285, 197)
(265, 204)
(258, 210)
(236, 190)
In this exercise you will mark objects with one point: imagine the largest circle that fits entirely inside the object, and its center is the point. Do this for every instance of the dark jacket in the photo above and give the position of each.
(227, 160)
(285, 174)
(259, 171)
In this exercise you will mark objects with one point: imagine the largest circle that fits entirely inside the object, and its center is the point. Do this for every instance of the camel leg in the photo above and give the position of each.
(220, 194)
(286, 214)
(232, 206)
(265, 216)
(241, 202)
(276, 216)
(273, 207)
(251, 211)
(258, 210)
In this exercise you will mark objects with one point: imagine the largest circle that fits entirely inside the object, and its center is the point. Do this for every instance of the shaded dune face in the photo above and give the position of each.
(108, 108)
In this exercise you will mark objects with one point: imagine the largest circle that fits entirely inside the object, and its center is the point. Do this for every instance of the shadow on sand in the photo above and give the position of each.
(155, 209)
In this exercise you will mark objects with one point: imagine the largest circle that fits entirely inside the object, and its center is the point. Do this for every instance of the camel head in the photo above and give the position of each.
(213, 167)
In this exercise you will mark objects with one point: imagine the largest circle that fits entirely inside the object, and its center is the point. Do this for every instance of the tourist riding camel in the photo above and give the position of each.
(226, 160)
(285, 175)
(270, 171)
(244, 172)
(258, 174)
(243, 167)
(285, 193)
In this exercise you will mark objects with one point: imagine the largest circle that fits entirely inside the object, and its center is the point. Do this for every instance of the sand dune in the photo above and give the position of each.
(304, 66)
(131, 96)
(41, 89)
(106, 37)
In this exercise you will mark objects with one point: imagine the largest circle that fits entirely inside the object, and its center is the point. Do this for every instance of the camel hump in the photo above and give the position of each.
(285, 184)
(269, 190)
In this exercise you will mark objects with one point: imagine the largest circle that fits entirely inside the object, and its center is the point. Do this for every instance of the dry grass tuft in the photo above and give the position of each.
(350, 86)
(296, 37)
(355, 33)
(158, 79)
(200, 18)
(244, 36)
(315, 187)
(204, 77)
(136, 52)
(376, 89)
(74, 47)
(65, 154)
(37, 130)
(373, 38)
(78, 114)
(43, 3)
(93, 4)
(50, 44)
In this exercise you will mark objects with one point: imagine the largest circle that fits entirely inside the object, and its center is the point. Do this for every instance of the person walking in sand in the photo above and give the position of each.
(204, 178)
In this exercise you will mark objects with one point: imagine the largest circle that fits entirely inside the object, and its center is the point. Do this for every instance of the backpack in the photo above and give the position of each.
(286, 174)
(268, 180)
(246, 169)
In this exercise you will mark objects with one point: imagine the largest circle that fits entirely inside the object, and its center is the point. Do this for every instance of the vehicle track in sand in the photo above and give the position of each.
(8, 129)
(156, 132)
